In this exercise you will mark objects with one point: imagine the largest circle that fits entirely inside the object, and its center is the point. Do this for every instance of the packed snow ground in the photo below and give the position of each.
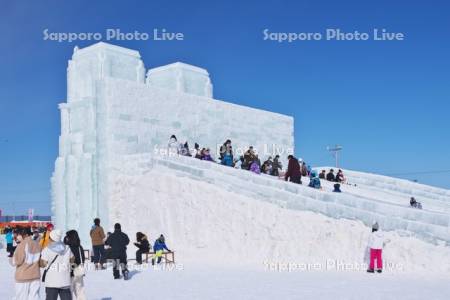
(204, 281)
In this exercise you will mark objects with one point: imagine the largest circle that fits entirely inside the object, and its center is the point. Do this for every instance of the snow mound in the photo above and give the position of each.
(222, 215)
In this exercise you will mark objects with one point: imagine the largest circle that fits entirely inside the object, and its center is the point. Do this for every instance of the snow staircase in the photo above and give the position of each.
(366, 202)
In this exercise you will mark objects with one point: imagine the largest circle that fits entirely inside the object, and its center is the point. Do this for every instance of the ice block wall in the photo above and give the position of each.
(112, 110)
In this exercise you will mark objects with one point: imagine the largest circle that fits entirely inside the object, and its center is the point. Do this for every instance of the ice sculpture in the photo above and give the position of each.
(112, 110)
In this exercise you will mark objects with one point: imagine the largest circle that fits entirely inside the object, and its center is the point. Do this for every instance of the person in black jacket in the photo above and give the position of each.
(322, 174)
(118, 242)
(330, 175)
(143, 246)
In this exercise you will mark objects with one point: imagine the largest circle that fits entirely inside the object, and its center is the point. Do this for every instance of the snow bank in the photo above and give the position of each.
(205, 220)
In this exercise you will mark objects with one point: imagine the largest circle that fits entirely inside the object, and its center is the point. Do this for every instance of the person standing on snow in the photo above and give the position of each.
(293, 171)
(26, 261)
(77, 272)
(118, 242)
(56, 258)
(276, 166)
(9, 242)
(98, 244)
(375, 245)
(158, 247)
(45, 240)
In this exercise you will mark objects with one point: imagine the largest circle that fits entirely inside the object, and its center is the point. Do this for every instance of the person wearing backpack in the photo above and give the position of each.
(77, 273)
(314, 181)
(56, 260)
(26, 261)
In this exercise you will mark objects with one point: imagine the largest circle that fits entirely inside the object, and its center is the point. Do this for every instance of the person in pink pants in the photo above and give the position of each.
(376, 242)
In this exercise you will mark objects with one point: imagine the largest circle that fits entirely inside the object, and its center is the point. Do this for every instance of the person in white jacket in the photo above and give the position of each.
(56, 259)
(173, 147)
(375, 245)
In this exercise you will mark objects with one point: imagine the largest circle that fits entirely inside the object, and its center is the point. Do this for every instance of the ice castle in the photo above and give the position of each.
(115, 108)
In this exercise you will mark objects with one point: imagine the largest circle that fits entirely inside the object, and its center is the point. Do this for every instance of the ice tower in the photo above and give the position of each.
(113, 110)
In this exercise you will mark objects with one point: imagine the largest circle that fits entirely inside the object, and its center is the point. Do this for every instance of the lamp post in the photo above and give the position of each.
(335, 152)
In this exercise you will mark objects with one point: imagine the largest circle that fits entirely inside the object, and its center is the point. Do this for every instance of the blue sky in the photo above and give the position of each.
(387, 103)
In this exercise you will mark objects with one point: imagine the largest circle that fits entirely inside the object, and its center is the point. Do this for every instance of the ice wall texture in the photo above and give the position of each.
(112, 110)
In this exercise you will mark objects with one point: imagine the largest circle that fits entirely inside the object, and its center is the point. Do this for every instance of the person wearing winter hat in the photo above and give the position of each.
(56, 260)
(26, 261)
(337, 188)
(314, 181)
(45, 240)
(375, 245)
(118, 242)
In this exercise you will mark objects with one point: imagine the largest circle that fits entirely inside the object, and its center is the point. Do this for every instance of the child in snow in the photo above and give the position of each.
(375, 245)
(314, 181)
(206, 155)
(9, 242)
(158, 247)
(254, 167)
(337, 188)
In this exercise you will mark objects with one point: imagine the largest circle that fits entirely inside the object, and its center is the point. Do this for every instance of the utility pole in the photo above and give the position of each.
(335, 152)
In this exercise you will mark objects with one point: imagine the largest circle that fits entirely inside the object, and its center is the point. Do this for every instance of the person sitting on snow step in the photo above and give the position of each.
(330, 175)
(375, 245)
(314, 181)
(337, 188)
(322, 174)
(226, 154)
(414, 203)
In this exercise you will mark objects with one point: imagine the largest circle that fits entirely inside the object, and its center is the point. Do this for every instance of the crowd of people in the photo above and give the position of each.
(59, 261)
(296, 169)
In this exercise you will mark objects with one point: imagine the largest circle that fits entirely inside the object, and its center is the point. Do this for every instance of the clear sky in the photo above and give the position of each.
(386, 102)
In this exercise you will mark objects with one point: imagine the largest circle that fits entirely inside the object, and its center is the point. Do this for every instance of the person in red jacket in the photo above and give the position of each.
(293, 171)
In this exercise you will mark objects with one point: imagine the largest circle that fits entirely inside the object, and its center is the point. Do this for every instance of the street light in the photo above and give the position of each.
(334, 151)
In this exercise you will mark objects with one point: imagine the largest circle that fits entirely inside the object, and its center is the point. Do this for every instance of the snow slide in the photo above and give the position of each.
(221, 215)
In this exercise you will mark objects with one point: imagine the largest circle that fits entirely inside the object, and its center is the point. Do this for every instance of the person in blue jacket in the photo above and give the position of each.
(314, 181)
(159, 247)
(9, 242)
